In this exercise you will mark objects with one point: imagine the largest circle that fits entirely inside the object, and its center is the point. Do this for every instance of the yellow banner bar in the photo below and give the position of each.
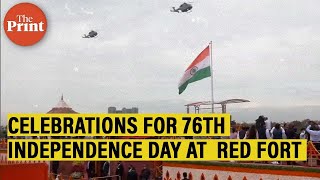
(119, 124)
(156, 150)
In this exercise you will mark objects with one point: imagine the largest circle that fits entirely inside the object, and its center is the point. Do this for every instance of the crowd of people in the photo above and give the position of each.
(263, 129)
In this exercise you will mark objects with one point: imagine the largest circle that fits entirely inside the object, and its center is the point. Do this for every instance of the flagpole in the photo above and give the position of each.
(211, 69)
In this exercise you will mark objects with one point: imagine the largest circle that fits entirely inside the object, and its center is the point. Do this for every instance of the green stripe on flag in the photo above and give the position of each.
(201, 74)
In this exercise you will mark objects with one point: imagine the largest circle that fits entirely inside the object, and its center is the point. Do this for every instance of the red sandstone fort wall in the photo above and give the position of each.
(174, 171)
(38, 171)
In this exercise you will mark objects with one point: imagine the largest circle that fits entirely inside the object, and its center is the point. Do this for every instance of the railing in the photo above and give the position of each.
(313, 154)
(158, 171)
(202, 177)
(106, 177)
(4, 160)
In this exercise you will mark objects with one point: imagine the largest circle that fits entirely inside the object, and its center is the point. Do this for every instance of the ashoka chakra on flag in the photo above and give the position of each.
(193, 70)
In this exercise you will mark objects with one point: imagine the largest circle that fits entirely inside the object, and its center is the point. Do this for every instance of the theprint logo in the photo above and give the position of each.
(25, 24)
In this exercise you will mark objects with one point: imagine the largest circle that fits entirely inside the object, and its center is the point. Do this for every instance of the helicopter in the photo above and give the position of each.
(185, 7)
(91, 34)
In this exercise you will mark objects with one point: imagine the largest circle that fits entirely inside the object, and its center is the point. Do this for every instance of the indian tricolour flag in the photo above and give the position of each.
(197, 70)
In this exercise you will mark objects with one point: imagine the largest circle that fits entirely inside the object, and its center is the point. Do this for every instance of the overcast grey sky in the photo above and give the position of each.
(264, 51)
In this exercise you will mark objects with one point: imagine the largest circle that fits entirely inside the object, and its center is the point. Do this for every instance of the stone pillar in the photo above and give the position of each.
(224, 108)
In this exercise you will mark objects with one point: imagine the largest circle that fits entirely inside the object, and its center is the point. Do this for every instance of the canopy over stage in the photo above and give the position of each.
(197, 105)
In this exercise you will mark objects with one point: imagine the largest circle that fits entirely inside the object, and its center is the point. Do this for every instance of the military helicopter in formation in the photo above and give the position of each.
(91, 34)
(185, 7)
